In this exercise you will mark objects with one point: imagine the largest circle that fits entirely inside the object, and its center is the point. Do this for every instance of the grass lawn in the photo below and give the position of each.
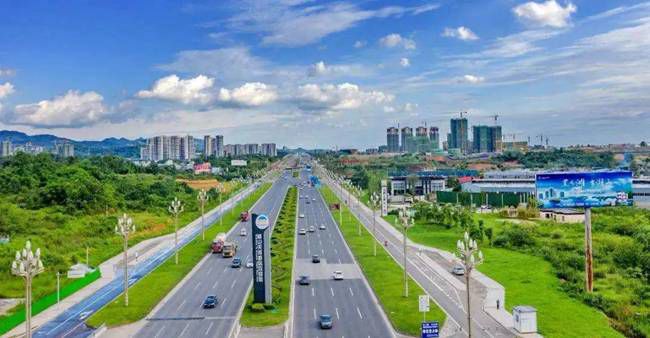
(282, 246)
(146, 293)
(529, 280)
(384, 276)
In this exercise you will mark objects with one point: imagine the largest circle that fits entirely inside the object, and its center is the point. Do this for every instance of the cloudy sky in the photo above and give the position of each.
(325, 73)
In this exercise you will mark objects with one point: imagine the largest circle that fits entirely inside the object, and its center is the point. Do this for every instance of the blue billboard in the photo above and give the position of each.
(430, 330)
(584, 189)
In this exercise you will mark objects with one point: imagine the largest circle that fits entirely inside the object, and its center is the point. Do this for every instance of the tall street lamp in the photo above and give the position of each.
(406, 221)
(27, 265)
(203, 197)
(374, 203)
(175, 208)
(124, 228)
(220, 189)
(466, 248)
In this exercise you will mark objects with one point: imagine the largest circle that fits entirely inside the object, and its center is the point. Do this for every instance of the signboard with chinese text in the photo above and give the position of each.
(384, 198)
(261, 259)
(584, 189)
(430, 330)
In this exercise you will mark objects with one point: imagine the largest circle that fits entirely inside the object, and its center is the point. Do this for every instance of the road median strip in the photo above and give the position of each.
(146, 293)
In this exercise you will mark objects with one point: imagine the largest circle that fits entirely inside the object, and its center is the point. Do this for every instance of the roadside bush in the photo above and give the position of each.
(257, 307)
(515, 236)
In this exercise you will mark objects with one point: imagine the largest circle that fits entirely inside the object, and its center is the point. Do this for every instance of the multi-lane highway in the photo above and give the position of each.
(350, 302)
(182, 314)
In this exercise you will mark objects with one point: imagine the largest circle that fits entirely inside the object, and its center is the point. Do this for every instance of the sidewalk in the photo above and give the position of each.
(135, 255)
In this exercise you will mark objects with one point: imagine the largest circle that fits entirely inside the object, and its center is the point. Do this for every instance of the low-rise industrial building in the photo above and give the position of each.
(563, 215)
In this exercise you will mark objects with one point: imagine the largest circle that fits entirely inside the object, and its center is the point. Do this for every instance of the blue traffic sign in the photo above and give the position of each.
(430, 330)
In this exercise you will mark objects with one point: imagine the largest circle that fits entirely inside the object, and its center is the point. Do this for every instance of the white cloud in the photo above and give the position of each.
(472, 79)
(249, 94)
(395, 40)
(549, 13)
(360, 43)
(6, 90)
(462, 33)
(298, 23)
(343, 96)
(404, 62)
(518, 44)
(6, 72)
(74, 109)
(195, 90)
(317, 69)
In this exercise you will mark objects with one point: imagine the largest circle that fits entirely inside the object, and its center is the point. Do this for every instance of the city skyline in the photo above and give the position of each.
(330, 74)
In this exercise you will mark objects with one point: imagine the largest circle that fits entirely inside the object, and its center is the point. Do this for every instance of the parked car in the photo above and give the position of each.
(303, 280)
(236, 262)
(458, 270)
(315, 259)
(210, 302)
(302, 231)
(338, 275)
(325, 322)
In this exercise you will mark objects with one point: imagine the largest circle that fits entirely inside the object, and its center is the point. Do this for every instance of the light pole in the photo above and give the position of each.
(203, 197)
(58, 287)
(220, 190)
(466, 249)
(407, 222)
(356, 191)
(27, 265)
(124, 228)
(374, 202)
(175, 208)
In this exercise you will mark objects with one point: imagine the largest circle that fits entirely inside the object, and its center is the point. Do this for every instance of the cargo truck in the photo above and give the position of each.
(244, 216)
(229, 249)
(217, 243)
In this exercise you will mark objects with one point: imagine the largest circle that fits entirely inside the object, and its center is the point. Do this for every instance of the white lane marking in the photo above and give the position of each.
(210, 270)
(351, 293)
(332, 290)
(159, 331)
(312, 292)
(214, 286)
(359, 312)
(185, 328)
(225, 269)
(233, 283)
(209, 327)
(224, 300)
(335, 251)
(197, 286)
(337, 312)
(322, 251)
(339, 260)
(182, 303)
(314, 313)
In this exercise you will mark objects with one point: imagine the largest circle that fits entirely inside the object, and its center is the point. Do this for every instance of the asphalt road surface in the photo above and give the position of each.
(183, 315)
(353, 308)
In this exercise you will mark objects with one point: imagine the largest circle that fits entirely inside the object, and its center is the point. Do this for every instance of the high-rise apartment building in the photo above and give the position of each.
(64, 149)
(458, 138)
(486, 139)
(252, 148)
(392, 140)
(188, 148)
(268, 149)
(408, 144)
(218, 146)
(208, 146)
(5, 148)
(422, 142)
(434, 138)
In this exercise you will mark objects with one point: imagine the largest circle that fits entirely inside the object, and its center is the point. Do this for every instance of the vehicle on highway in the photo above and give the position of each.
(315, 259)
(308, 202)
(302, 231)
(210, 302)
(217, 243)
(303, 280)
(301, 215)
(244, 216)
(229, 249)
(325, 322)
(249, 264)
(243, 232)
(458, 270)
(312, 229)
(338, 275)
(322, 227)
(236, 263)
(313, 199)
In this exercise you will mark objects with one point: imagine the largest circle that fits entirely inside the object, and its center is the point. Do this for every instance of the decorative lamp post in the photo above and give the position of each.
(203, 198)
(27, 265)
(406, 221)
(175, 208)
(374, 202)
(466, 248)
(124, 228)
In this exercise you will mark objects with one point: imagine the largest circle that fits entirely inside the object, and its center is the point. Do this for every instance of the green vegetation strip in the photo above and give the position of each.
(384, 275)
(151, 289)
(282, 239)
(13, 320)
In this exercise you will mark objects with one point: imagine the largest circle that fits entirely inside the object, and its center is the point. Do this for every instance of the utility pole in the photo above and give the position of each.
(123, 228)
(466, 249)
(175, 208)
(407, 222)
(589, 272)
(27, 265)
(203, 197)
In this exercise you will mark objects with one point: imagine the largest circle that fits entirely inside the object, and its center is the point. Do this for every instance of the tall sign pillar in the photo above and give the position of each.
(384, 198)
(261, 259)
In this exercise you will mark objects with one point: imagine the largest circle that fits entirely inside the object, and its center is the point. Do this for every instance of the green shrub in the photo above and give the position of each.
(257, 307)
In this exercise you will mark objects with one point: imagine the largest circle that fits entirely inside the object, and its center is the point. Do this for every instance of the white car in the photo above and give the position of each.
(249, 264)
(312, 229)
(458, 270)
(322, 227)
(302, 231)
(338, 275)
(243, 232)
(301, 215)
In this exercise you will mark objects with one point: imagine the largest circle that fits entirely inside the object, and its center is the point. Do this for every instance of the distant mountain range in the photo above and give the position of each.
(116, 146)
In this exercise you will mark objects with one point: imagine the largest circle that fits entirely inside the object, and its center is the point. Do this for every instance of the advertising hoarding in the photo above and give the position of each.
(584, 189)
(261, 259)
(238, 163)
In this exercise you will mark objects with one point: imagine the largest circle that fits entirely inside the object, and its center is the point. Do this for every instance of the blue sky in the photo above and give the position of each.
(326, 73)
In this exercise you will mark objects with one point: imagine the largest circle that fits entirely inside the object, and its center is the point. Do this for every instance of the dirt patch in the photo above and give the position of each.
(203, 184)
(7, 304)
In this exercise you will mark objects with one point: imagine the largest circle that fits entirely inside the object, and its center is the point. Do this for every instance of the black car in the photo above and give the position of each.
(325, 322)
(236, 262)
(210, 302)
(315, 259)
(304, 280)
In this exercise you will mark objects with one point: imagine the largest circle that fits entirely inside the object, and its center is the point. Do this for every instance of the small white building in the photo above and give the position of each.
(79, 270)
(525, 319)
(563, 215)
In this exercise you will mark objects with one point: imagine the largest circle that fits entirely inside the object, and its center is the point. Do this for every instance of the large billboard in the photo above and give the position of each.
(238, 163)
(584, 189)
